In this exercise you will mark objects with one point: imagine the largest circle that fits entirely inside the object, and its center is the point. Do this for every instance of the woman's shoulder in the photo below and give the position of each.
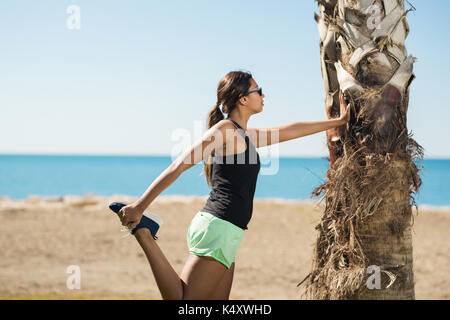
(224, 125)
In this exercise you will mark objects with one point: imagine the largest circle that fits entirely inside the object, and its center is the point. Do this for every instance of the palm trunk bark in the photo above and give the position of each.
(364, 247)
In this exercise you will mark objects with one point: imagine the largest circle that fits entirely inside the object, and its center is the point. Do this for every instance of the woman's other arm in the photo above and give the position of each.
(211, 140)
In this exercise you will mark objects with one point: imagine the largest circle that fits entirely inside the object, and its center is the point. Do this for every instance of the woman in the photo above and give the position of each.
(217, 230)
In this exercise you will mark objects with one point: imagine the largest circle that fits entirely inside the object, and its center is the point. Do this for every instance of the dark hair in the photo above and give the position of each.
(230, 89)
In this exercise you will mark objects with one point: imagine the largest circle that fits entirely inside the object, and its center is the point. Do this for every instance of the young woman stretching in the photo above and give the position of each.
(231, 170)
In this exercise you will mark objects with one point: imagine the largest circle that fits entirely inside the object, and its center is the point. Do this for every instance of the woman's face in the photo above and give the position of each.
(255, 102)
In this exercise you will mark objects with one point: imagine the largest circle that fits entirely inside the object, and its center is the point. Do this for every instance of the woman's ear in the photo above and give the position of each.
(243, 101)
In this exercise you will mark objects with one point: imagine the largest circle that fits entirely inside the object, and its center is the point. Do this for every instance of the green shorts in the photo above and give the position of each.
(214, 237)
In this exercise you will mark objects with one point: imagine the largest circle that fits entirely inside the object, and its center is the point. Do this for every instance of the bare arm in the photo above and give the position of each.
(294, 130)
(300, 129)
(265, 137)
(211, 140)
(164, 180)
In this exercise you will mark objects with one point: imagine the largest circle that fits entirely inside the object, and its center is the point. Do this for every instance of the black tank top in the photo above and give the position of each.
(233, 184)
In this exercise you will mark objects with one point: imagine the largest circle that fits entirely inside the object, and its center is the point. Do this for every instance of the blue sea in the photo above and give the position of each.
(286, 178)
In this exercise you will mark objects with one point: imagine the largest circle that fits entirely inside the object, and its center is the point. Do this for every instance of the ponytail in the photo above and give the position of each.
(215, 115)
(231, 87)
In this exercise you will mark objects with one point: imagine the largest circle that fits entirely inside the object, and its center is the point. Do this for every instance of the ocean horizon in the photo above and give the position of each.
(285, 178)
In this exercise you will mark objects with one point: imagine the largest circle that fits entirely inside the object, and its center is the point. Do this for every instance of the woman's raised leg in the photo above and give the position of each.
(168, 281)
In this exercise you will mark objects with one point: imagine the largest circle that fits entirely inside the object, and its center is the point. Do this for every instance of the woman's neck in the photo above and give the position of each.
(241, 120)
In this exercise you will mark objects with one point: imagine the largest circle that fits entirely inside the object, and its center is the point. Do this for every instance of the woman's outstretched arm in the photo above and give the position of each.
(212, 139)
(294, 130)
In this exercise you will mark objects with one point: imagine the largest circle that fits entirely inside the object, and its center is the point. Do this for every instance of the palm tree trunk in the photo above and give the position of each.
(364, 247)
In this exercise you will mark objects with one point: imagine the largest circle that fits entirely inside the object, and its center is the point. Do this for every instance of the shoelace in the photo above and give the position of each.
(127, 230)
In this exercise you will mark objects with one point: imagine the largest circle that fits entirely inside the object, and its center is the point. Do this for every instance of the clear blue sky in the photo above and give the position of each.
(137, 71)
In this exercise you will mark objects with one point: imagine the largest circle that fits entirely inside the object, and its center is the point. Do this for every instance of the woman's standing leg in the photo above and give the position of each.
(199, 279)
(224, 288)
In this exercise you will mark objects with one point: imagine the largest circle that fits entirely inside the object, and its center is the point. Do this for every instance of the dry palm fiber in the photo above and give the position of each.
(372, 175)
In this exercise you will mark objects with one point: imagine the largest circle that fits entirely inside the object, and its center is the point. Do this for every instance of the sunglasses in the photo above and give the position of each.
(259, 90)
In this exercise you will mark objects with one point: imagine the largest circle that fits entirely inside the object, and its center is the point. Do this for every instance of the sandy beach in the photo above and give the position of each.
(41, 238)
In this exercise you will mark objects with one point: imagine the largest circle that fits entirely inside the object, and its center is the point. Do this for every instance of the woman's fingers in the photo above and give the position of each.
(122, 216)
(347, 112)
(132, 225)
(126, 220)
(341, 100)
(129, 216)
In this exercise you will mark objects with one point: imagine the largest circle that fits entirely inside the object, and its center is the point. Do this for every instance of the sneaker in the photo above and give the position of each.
(149, 220)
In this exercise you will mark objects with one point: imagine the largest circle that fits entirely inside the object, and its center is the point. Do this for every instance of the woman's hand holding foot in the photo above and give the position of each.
(130, 215)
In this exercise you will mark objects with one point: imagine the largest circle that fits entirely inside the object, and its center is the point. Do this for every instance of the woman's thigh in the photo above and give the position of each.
(224, 288)
(201, 277)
